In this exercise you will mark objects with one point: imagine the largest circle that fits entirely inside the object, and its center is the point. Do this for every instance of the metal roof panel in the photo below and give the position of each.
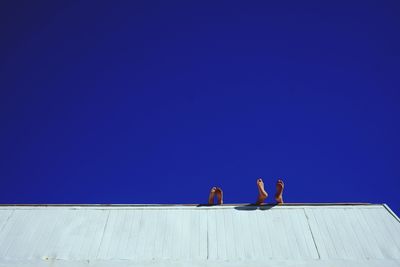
(173, 235)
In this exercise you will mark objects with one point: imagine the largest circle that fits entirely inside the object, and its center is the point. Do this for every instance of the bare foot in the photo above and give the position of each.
(262, 195)
(279, 191)
(211, 196)
(220, 195)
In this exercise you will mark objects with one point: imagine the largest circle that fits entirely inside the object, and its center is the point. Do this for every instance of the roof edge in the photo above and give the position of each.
(391, 212)
(197, 205)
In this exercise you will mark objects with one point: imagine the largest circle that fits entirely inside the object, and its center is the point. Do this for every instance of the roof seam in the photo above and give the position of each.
(208, 247)
(102, 235)
(8, 218)
(312, 234)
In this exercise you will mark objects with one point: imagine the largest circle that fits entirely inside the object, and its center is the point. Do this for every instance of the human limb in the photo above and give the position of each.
(211, 196)
(215, 191)
(279, 191)
(220, 196)
(262, 194)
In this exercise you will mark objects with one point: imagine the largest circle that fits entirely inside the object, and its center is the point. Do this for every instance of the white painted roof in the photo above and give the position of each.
(162, 235)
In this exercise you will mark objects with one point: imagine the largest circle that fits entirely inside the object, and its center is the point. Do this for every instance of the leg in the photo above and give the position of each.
(279, 191)
(262, 194)
(219, 195)
(211, 196)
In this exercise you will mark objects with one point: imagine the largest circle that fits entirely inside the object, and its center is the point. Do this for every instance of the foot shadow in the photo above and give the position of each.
(250, 207)
(247, 207)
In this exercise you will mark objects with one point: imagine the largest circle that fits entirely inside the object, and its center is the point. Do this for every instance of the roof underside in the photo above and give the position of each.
(295, 235)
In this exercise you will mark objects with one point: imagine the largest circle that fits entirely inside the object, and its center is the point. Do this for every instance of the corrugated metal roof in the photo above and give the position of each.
(129, 235)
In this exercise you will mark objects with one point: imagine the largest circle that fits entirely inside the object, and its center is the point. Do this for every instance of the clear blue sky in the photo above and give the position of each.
(156, 102)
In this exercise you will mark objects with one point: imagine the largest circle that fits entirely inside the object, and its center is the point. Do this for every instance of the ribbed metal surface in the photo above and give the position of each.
(366, 235)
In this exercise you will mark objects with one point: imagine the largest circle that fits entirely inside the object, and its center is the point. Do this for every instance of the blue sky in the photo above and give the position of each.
(156, 102)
